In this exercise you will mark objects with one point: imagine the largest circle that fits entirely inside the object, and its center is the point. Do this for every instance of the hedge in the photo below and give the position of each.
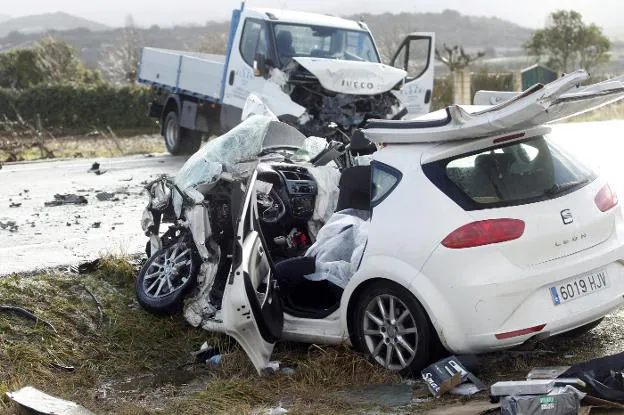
(78, 108)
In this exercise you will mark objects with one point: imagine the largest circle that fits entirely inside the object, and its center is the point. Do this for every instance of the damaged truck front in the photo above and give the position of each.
(319, 73)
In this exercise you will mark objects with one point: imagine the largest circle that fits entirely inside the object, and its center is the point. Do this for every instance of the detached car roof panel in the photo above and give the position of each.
(540, 104)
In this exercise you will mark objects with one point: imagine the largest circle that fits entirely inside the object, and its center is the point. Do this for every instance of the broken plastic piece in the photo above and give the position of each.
(105, 196)
(41, 403)
(67, 199)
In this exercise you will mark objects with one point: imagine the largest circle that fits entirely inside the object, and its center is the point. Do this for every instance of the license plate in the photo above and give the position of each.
(578, 287)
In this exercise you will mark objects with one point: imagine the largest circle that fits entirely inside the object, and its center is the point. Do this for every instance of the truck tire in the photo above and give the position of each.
(180, 140)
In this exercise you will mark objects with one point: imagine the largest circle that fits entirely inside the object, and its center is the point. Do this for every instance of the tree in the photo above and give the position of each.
(121, 61)
(455, 58)
(389, 39)
(568, 43)
(213, 42)
(50, 61)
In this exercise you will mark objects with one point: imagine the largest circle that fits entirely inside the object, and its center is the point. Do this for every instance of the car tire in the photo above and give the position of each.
(582, 330)
(408, 337)
(180, 140)
(176, 263)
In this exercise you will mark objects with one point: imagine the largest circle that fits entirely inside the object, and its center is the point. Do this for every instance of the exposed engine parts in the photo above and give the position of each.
(326, 108)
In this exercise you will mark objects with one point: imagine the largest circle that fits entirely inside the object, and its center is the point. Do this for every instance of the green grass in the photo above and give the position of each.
(154, 353)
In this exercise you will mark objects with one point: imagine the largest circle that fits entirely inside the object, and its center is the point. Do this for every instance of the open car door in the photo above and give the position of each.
(416, 57)
(252, 311)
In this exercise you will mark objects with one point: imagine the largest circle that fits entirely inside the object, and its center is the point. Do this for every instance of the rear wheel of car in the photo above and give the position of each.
(165, 278)
(390, 325)
(180, 140)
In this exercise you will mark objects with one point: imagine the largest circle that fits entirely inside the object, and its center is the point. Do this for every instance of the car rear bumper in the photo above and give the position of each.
(491, 296)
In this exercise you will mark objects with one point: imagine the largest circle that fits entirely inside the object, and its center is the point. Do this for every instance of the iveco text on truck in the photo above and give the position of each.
(320, 73)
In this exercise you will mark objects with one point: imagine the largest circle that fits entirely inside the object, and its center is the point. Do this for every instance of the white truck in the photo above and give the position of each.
(320, 73)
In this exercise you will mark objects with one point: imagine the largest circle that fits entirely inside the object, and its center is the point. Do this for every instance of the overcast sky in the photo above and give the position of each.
(530, 13)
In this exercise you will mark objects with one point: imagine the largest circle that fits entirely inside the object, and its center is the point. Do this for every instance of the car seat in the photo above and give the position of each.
(284, 41)
(354, 188)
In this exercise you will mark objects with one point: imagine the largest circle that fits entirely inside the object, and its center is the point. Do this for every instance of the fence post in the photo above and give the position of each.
(517, 81)
(461, 87)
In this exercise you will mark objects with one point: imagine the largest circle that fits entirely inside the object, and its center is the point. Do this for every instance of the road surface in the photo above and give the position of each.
(62, 235)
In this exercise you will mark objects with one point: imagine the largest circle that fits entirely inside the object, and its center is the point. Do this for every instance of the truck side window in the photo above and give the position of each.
(254, 40)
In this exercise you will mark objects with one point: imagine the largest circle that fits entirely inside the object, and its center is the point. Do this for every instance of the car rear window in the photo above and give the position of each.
(522, 172)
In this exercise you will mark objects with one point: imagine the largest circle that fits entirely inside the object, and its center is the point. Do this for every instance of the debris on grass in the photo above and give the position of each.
(28, 314)
(98, 305)
(67, 199)
(34, 400)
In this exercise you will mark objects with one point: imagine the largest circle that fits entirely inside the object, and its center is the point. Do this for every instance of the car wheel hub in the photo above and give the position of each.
(169, 271)
(390, 332)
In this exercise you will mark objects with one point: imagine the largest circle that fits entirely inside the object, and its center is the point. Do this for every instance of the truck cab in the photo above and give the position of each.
(319, 73)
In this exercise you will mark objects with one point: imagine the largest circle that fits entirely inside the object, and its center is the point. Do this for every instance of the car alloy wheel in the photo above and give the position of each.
(169, 271)
(390, 332)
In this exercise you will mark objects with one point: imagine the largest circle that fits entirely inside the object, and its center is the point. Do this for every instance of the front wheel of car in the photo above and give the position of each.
(390, 325)
(165, 278)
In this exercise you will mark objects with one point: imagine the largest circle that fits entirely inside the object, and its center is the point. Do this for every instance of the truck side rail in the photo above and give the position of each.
(187, 73)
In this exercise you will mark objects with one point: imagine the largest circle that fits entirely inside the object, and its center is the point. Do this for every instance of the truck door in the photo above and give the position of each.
(251, 39)
(416, 57)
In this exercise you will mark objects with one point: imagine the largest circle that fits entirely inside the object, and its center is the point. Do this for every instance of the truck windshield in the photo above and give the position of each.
(294, 40)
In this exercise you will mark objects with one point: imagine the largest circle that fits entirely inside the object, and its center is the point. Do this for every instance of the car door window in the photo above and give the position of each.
(253, 41)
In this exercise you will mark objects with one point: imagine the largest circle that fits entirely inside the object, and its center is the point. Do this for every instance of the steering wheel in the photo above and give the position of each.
(271, 207)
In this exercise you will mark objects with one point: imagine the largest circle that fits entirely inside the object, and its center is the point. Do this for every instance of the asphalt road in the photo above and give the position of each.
(62, 235)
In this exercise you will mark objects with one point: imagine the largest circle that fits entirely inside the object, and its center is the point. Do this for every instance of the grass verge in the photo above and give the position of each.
(77, 147)
(135, 363)
(129, 362)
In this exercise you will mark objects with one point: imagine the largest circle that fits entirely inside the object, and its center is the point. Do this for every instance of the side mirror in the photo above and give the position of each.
(260, 65)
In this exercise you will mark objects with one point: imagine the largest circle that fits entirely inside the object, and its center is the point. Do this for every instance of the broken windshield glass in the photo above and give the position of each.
(253, 137)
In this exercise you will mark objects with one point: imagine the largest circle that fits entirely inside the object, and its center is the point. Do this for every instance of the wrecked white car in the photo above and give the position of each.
(471, 228)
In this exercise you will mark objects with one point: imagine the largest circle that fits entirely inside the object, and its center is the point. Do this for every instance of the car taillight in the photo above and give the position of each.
(484, 232)
(606, 198)
(516, 333)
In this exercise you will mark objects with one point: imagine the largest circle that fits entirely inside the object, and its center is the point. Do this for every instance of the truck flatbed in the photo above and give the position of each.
(179, 72)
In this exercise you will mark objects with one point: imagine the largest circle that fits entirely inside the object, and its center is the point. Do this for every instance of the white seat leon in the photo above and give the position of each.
(485, 245)
(483, 234)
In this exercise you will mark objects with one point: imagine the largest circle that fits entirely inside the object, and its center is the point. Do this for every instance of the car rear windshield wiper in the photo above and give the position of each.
(564, 187)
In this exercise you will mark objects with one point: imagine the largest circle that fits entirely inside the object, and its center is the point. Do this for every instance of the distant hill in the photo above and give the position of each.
(49, 21)
(451, 27)
(500, 39)
(4, 17)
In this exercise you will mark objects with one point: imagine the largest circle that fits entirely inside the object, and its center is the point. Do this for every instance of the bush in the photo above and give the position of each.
(442, 93)
(67, 108)
(483, 80)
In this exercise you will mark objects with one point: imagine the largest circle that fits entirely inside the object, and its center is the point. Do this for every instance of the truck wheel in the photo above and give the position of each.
(180, 140)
